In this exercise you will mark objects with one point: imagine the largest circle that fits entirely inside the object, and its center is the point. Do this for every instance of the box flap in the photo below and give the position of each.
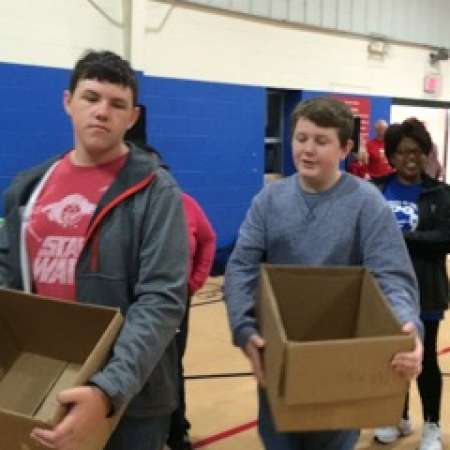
(308, 297)
(356, 414)
(28, 381)
(273, 332)
(58, 320)
(376, 316)
(344, 370)
(97, 358)
(9, 348)
(15, 432)
(101, 351)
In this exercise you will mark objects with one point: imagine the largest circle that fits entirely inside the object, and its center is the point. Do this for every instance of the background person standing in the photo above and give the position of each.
(377, 163)
(421, 206)
(202, 248)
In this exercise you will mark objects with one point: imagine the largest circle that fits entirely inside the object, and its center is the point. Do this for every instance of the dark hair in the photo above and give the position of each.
(138, 132)
(104, 66)
(411, 128)
(326, 112)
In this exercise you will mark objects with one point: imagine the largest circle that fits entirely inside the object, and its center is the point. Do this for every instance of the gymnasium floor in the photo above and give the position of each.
(222, 410)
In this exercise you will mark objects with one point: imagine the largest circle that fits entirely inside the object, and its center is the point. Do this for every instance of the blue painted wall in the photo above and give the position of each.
(212, 137)
(211, 134)
(33, 124)
(381, 109)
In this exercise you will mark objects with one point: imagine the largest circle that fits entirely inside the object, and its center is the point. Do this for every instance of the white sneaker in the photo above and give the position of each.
(388, 435)
(431, 437)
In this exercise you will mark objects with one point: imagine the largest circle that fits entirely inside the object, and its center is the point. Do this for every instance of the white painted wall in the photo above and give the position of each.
(192, 42)
(56, 32)
(173, 40)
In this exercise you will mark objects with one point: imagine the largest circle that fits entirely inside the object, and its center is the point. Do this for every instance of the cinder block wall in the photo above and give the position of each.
(210, 134)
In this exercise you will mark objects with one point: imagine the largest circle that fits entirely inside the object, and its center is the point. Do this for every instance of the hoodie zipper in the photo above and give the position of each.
(93, 230)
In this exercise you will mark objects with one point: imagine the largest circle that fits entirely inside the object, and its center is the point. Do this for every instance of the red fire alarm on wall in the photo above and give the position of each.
(432, 83)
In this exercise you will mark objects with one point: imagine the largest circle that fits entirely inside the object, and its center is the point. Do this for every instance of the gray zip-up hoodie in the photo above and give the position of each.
(350, 224)
(135, 258)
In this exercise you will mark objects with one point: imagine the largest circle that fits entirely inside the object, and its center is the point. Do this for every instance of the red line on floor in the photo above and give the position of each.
(247, 426)
(224, 434)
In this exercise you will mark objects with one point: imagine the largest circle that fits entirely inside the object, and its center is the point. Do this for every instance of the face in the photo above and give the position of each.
(317, 153)
(101, 113)
(380, 128)
(409, 161)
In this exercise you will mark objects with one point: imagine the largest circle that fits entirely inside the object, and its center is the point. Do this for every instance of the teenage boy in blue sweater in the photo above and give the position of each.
(319, 217)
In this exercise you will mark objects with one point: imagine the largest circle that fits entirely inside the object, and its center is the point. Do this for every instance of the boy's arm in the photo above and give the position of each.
(159, 299)
(385, 254)
(242, 274)
(433, 242)
(204, 252)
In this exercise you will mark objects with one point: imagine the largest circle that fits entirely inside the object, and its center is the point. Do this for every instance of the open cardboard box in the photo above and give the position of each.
(47, 346)
(330, 336)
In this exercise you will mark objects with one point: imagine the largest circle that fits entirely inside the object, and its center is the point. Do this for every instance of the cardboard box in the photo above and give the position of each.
(47, 346)
(330, 336)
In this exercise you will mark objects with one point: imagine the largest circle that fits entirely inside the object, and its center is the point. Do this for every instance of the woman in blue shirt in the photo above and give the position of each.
(421, 206)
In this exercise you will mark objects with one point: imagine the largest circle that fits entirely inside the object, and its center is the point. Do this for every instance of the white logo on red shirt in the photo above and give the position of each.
(69, 211)
(56, 259)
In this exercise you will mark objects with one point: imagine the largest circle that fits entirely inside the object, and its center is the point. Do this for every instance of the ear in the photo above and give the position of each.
(346, 149)
(134, 116)
(66, 101)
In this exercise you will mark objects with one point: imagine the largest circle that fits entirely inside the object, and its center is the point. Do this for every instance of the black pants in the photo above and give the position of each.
(179, 425)
(148, 433)
(429, 381)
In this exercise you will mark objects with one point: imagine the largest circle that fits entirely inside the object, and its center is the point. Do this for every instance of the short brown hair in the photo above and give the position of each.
(326, 112)
(104, 66)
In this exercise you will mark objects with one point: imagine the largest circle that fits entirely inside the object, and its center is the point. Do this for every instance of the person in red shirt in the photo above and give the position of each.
(358, 167)
(202, 248)
(377, 163)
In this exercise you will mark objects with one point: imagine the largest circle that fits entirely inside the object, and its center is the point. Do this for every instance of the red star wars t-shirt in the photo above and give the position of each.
(59, 221)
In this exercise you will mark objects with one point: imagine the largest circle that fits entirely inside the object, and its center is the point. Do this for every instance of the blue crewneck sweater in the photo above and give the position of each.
(349, 224)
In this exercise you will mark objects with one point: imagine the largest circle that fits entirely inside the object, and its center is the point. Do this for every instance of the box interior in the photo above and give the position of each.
(309, 299)
(330, 336)
(39, 357)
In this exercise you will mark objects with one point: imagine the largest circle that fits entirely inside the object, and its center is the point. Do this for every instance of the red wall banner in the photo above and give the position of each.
(360, 107)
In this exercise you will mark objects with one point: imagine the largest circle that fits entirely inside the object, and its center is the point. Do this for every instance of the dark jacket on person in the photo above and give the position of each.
(135, 258)
(429, 244)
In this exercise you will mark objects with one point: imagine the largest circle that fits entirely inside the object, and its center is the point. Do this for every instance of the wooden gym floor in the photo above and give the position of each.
(222, 410)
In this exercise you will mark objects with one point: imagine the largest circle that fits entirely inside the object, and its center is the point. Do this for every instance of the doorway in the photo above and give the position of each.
(435, 116)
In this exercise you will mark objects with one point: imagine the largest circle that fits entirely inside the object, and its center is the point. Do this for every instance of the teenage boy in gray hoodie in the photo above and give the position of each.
(318, 217)
(104, 224)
